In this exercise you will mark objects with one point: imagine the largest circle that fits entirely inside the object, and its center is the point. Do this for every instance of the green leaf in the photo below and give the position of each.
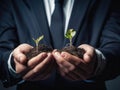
(38, 39)
(70, 33)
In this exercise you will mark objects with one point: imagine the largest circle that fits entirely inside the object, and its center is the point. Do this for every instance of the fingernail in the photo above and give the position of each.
(56, 53)
(63, 54)
(49, 54)
(44, 54)
(55, 50)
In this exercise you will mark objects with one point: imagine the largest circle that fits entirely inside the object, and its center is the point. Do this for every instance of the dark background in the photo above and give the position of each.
(111, 85)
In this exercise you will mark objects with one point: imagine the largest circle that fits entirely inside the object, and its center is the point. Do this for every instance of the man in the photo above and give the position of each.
(97, 25)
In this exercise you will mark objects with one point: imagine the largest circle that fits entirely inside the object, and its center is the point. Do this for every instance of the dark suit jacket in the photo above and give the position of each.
(97, 23)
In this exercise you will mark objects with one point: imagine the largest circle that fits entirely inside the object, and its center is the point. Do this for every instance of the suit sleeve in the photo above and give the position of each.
(8, 41)
(110, 44)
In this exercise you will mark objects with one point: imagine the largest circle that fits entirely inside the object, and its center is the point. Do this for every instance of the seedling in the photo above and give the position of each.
(70, 34)
(37, 41)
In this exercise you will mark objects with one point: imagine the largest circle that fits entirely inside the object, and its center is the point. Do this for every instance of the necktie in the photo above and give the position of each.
(57, 25)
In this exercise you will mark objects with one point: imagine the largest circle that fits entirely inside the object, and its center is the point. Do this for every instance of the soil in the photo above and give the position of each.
(79, 52)
(35, 51)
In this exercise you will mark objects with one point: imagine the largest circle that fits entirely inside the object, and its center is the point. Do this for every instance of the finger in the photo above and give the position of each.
(85, 67)
(44, 73)
(25, 48)
(75, 60)
(70, 77)
(63, 69)
(62, 62)
(38, 68)
(73, 76)
(38, 76)
(87, 58)
(89, 54)
(70, 73)
(44, 63)
(36, 60)
(19, 53)
(20, 68)
(20, 57)
(77, 74)
(88, 63)
(71, 58)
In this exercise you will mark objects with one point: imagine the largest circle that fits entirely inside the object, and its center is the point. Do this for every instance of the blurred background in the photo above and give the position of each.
(111, 85)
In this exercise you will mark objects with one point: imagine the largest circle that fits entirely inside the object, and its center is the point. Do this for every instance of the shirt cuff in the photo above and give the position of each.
(12, 71)
(101, 62)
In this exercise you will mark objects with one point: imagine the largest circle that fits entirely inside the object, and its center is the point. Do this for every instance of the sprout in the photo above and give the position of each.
(70, 34)
(38, 40)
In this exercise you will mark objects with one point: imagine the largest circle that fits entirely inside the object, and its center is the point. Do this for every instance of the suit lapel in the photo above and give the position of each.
(79, 9)
(39, 20)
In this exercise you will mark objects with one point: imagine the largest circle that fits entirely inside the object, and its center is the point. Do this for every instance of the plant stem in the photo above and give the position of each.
(36, 46)
(70, 41)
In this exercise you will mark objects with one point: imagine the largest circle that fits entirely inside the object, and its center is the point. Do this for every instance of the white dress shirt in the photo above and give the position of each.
(67, 8)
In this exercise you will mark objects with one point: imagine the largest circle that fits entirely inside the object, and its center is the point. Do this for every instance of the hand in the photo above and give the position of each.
(74, 68)
(35, 68)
